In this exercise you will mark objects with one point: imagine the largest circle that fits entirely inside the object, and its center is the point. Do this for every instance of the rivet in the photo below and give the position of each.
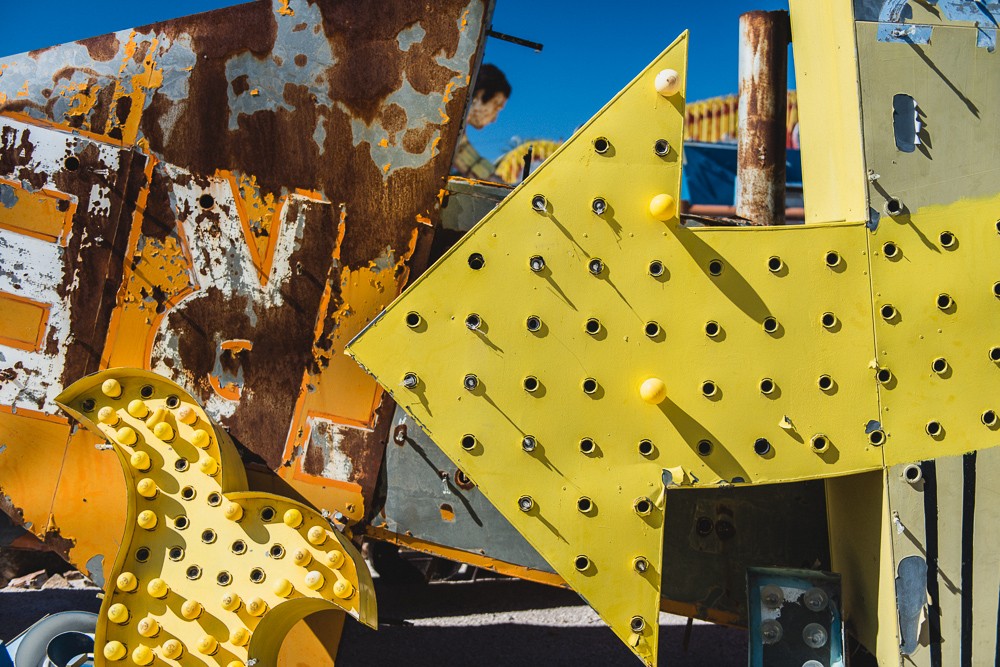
(828, 320)
(539, 204)
(146, 488)
(528, 443)
(653, 391)
(947, 239)
(148, 627)
(533, 323)
(832, 259)
(667, 82)
(118, 613)
(933, 428)
(645, 447)
(233, 510)
(292, 518)
(587, 445)
(820, 443)
(944, 301)
(640, 564)
(581, 563)
(155, 417)
(140, 461)
(208, 466)
(126, 582)
(191, 609)
(146, 519)
(601, 145)
(186, 415)
(143, 655)
(343, 589)
(157, 588)
(126, 435)
(413, 320)
(774, 264)
(761, 446)
(883, 376)
(137, 409)
(316, 535)
(111, 388)
(172, 649)
(201, 439)
(114, 650)
(208, 644)
(656, 268)
(314, 580)
(525, 503)
(663, 207)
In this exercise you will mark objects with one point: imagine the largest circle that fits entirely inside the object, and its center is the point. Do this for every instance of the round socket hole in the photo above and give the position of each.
(410, 380)
(825, 382)
(208, 536)
(645, 447)
(193, 572)
(820, 443)
(172, 401)
(536, 263)
(539, 203)
(582, 563)
(267, 514)
(715, 267)
(88, 405)
(276, 551)
(939, 365)
(770, 324)
(829, 320)
(883, 375)
(643, 506)
(470, 382)
(468, 442)
(72, 163)
(257, 575)
(188, 493)
(661, 147)
(530, 383)
(239, 547)
(601, 145)
(181, 522)
(656, 268)
(589, 386)
(832, 259)
(766, 386)
(223, 578)
(704, 447)
(206, 201)
(592, 326)
(989, 418)
(181, 464)
(894, 207)
(890, 250)
(595, 266)
(637, 624)
(463, 481)
(473, 322)
(476, 261)
(774, 264)
(533, 323)
(146, 391)
(888, 312)
(761, 446)
(998, 226)
(528, 443)
(214, 499)
(995, 354)
(525, 503)
(652, 329)
(947, 240)
(912, 473)
(708, 388)
(175, 553)
(704, 526)
(587, 445)
(142, 554)
(584, 504)
(413, 320)
(944, 301)
(876, 437)
(599, 206)
(712, 329)
(996, 290)
(933, 428)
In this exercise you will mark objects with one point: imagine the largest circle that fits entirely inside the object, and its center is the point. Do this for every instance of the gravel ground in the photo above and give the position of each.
(501, 623)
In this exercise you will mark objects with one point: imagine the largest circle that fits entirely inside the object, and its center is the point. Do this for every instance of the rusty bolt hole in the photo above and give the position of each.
(640, 564)
(206, 201)
(276, 551)
(476, 261)
(704, 526)
(257, 575)
(72, 163)
(146, 390)
(462, 480)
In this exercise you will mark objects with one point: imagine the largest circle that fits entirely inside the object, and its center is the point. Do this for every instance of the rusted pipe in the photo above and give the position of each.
(760, 175)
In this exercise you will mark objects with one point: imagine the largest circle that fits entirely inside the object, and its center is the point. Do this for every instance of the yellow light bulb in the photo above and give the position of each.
(201, 439)
(137, 409)
(112, 388)
(653, 391)
(256, 607)
(164, 431)
(143, 655)
(148, 627)
(343, 589)
(126, 435)
(233, 511)
(315, 580)
(292, 518)
(186, 415)
(140, 461)
(172, 649)
(207, 645)
(663, 207)
(107, 415)
(335, 558)
(316, 535)
(115, 651)
(146, 519)
(127, 582)
(157, 588)
(239, 637)
(208, 466)
(118, 613)
(191, 609)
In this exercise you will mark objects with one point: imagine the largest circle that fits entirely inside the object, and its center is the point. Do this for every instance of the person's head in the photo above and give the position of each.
(489, 96)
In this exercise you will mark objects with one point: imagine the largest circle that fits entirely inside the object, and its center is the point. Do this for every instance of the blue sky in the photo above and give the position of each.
(592, 49)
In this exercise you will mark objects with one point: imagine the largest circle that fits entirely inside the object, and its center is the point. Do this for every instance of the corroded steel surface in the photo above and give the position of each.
(226, 199)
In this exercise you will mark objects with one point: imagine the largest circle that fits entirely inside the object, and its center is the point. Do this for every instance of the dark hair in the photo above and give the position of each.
(492, 82)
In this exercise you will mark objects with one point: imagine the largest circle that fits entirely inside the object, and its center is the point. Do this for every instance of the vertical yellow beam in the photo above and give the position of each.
(826, 72)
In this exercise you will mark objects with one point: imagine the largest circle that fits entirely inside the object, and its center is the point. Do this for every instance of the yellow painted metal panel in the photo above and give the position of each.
(826, 74)
(22, 321)
(206, 567)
